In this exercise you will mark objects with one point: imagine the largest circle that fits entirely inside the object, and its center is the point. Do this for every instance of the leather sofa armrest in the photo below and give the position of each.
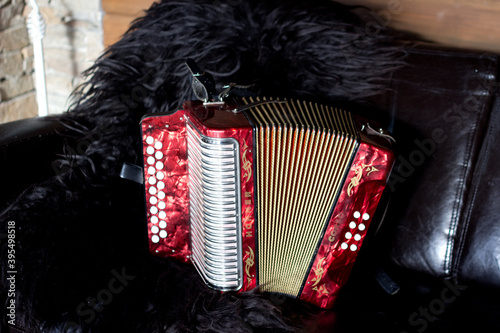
(443, 106)
(29, 149)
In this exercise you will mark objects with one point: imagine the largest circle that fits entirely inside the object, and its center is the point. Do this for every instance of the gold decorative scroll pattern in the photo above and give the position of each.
(247, 166)
(319, 275)
(355, 180)
(249, 262)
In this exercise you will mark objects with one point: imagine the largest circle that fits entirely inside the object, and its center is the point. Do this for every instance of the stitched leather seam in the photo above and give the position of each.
(448, 267)
(458, 200)
(38, 137)
(482, 166)
(467, 214)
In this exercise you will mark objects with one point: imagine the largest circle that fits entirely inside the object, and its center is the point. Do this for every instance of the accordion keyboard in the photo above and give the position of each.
(215, 205)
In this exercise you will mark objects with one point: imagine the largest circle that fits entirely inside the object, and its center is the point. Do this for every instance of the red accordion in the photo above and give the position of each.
(271, 193)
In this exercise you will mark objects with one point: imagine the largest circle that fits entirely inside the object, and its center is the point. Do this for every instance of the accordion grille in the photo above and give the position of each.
(215, 203)
(303, 152)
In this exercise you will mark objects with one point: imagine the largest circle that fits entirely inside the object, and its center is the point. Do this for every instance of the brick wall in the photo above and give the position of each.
(17, 95)
(73, 40)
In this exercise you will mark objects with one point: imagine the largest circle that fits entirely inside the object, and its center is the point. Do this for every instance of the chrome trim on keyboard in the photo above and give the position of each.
(215, 209)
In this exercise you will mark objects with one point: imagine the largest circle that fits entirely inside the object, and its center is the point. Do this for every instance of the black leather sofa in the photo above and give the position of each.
(436, 254)
(433, 262)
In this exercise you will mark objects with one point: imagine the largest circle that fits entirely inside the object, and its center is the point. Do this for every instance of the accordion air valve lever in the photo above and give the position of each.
(279, 195)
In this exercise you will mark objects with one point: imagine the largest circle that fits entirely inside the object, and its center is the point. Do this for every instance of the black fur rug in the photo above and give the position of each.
(82, 259)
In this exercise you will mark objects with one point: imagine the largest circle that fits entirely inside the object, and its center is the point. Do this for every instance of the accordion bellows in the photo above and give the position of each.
(275, 194)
